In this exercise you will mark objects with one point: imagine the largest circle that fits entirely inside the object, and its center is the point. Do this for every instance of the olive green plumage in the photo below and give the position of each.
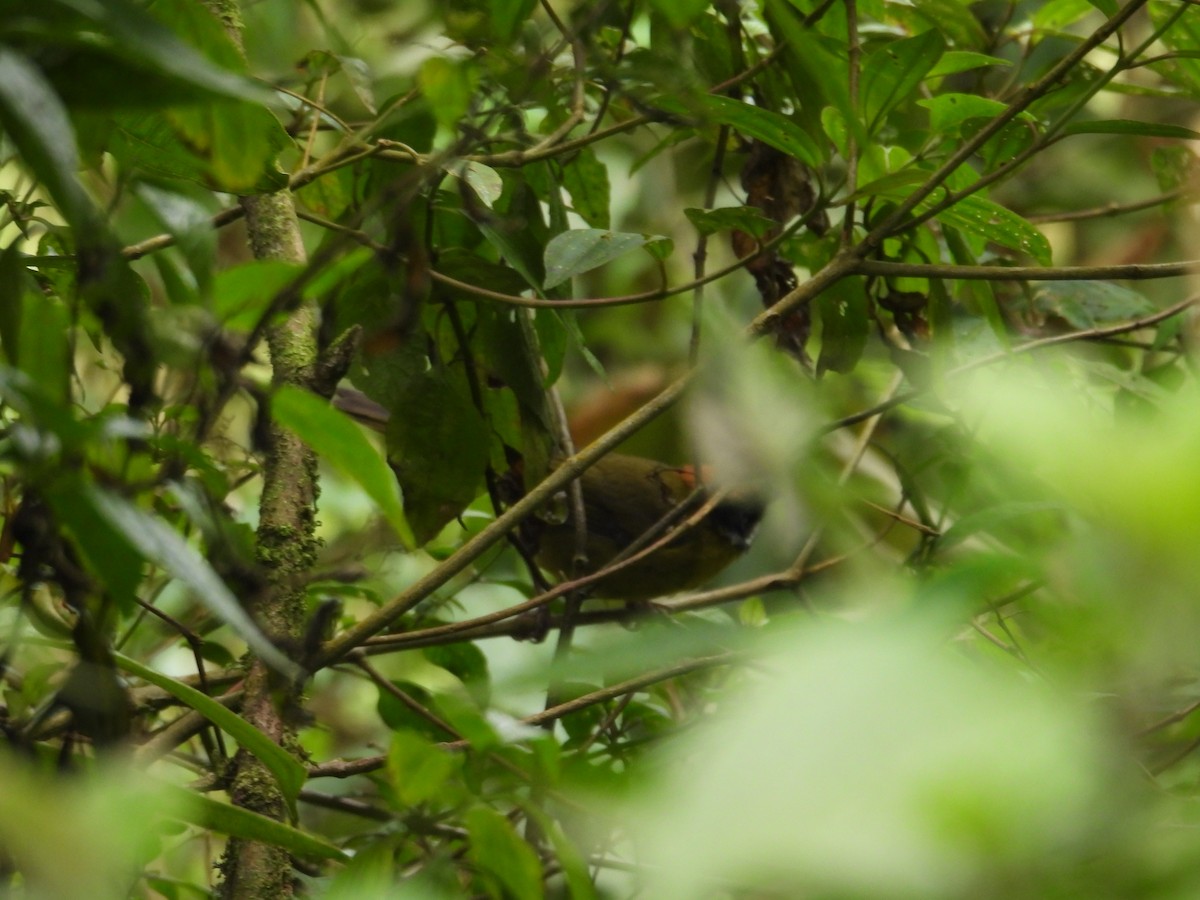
(623, 497)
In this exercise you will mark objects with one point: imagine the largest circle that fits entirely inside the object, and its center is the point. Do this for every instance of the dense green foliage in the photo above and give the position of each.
(916, 270)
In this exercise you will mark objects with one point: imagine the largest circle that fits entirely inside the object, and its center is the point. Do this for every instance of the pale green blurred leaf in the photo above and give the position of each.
(872, 761)
(583, 249)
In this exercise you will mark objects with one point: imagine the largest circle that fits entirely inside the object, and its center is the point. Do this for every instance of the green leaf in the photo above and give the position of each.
(1131, 126)
(483, 180)
(223, 146)
(680, 13)
(997, 517)
(507, 16)
(438, 446)
(449, 88)
(37, 123)
(894, 71)
(1056, 15)
(44, 343)
(952, 771)
(770, 127)
(467, 663)
(399, 716)
(1183, 37)
(206, 812)
(948, 111)
(341, 443)
(238, 142)
(243, 294)
(955, 20)
(731, 218)
(108, 551)
(496, 849)
(586, 180)
(134, 35)
(999, 224)
(581, 250)
(356, 72)
(522, 246)
(574, 866)
(288, 771)
(417, 770)
(955, 61)
(163, 546)
(844, 325)
(816, 62)
(1089, 304)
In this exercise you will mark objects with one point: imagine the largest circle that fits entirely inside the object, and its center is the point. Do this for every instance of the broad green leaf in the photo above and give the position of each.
(680, 13)
(137, 36)
(1088, 304)
(948, 111)
(955, 61)
(225, 818)
(44, 343)
(894, 71)
(1130, 126)
(401, 718)
(581, 250)
(189, 220)
(86, 835)
(893, 184)
(417, 769)
(955, 20)
(239, 143)
(507, 16)
(999, 224)
(109, 552)
(37, 123)
(483, 180)
(818, 65)
(356, 72)
(996, 517)
(471, 268)
(586, 180)
(467, 663)
(730, 218)
(243, 294)
(113, 55)
(844, 325)
(768, 126)
(163, 546)
(449, 87)
(659, 247)
(574, 866)
(951, 772)
(497, 850)
(522, 245)
(343, 445)
(438, 446)
(372, 874)
(287, 770)
(1056, 15)
(1182, 37)
(223, 146)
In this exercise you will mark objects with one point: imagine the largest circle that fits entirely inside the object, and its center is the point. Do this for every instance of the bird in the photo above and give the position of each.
(626, 496)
